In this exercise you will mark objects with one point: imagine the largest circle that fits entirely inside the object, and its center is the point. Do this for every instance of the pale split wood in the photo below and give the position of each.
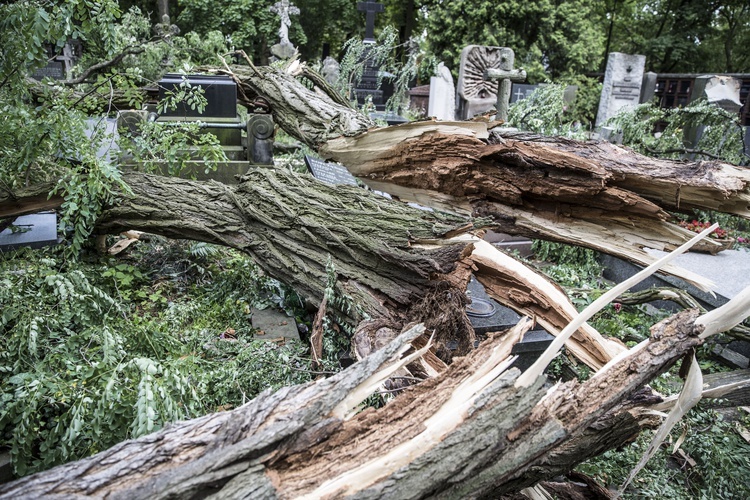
(516, 285)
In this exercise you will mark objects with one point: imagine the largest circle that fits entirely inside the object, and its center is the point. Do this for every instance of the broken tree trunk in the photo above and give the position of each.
(468, 432)
(593, 194)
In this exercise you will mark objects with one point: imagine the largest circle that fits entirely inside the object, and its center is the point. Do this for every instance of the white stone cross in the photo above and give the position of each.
(284, 9)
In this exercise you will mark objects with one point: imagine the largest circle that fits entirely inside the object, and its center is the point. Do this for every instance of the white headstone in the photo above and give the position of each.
(622, 84)
(442, 103)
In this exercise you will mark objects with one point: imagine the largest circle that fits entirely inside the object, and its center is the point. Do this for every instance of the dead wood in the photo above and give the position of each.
(467, 432)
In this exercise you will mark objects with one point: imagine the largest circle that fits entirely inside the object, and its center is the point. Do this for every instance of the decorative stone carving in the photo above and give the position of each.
(475, 94)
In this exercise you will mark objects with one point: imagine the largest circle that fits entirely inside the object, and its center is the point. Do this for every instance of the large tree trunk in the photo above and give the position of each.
(470, 429)
(468, 432)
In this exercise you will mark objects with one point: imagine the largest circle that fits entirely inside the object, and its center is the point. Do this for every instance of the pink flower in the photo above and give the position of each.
(617, 306)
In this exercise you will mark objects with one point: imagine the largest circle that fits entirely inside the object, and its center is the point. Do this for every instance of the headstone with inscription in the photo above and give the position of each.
(329, 172)
(442, 104)
(622, 84)
(59, 65)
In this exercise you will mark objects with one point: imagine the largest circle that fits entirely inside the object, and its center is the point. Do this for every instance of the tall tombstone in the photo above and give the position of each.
(648, 87)
(622, 84)
(368, 88)
(475, 93)
(442, 104)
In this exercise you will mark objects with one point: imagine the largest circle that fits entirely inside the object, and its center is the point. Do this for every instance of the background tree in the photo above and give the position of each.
(683, 35)
(549, 38)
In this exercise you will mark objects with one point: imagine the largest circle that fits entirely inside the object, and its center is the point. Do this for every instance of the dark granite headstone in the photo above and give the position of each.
(36, 231)
(53, 69)
(497, 318)
(331, 173)
(369, 86)
(521, 91)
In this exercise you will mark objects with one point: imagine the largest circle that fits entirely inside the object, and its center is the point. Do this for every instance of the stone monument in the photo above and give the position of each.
(368, 90)
(622, 84)
(370, 8)
(721, 91)
(284, 49)
(331, 70)
(476, 93)
(442, 104)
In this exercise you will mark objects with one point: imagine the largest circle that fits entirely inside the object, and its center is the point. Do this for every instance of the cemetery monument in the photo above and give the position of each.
(442, 104)
(622, 85)
(284, 49)
(476, 93)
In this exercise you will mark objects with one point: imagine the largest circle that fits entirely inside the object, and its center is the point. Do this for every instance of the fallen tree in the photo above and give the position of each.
(470, 429)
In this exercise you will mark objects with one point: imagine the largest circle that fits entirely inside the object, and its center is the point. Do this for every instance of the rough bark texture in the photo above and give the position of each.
(467, 433)
(469, 430)
(292, 224)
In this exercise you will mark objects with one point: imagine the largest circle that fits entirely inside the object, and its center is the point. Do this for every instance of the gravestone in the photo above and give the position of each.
(59, 65)
(520, 91)
(34, 231)
(648, 87)
(486, 316)
(622, 85)
(721, 91)
(476, 93)
(368, 89)
(729, 270)
(370, 8)
(284, 49)
(506, 76)
(329, 172)
(442, 104)
(331, 70)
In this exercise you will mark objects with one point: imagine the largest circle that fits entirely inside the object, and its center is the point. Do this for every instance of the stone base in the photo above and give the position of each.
(273, 325)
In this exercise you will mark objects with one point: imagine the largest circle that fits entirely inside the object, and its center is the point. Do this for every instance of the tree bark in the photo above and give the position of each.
(470, 432)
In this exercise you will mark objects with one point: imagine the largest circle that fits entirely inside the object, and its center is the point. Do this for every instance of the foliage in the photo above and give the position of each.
(544, 112)
(685, 36)
(722, 462)
(721, 133)
(82, 369)
(381, 54)
(549, 38)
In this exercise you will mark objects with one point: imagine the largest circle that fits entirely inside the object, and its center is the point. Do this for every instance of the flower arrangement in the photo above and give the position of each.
(697, 227)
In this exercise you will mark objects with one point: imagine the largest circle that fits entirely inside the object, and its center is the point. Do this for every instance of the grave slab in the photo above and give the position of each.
(42, 232)
(273, 325)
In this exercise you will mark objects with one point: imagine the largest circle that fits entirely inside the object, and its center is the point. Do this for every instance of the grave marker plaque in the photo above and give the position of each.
(331, 173)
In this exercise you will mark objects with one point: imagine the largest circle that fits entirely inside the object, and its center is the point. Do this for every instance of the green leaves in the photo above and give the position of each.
(81, 370)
